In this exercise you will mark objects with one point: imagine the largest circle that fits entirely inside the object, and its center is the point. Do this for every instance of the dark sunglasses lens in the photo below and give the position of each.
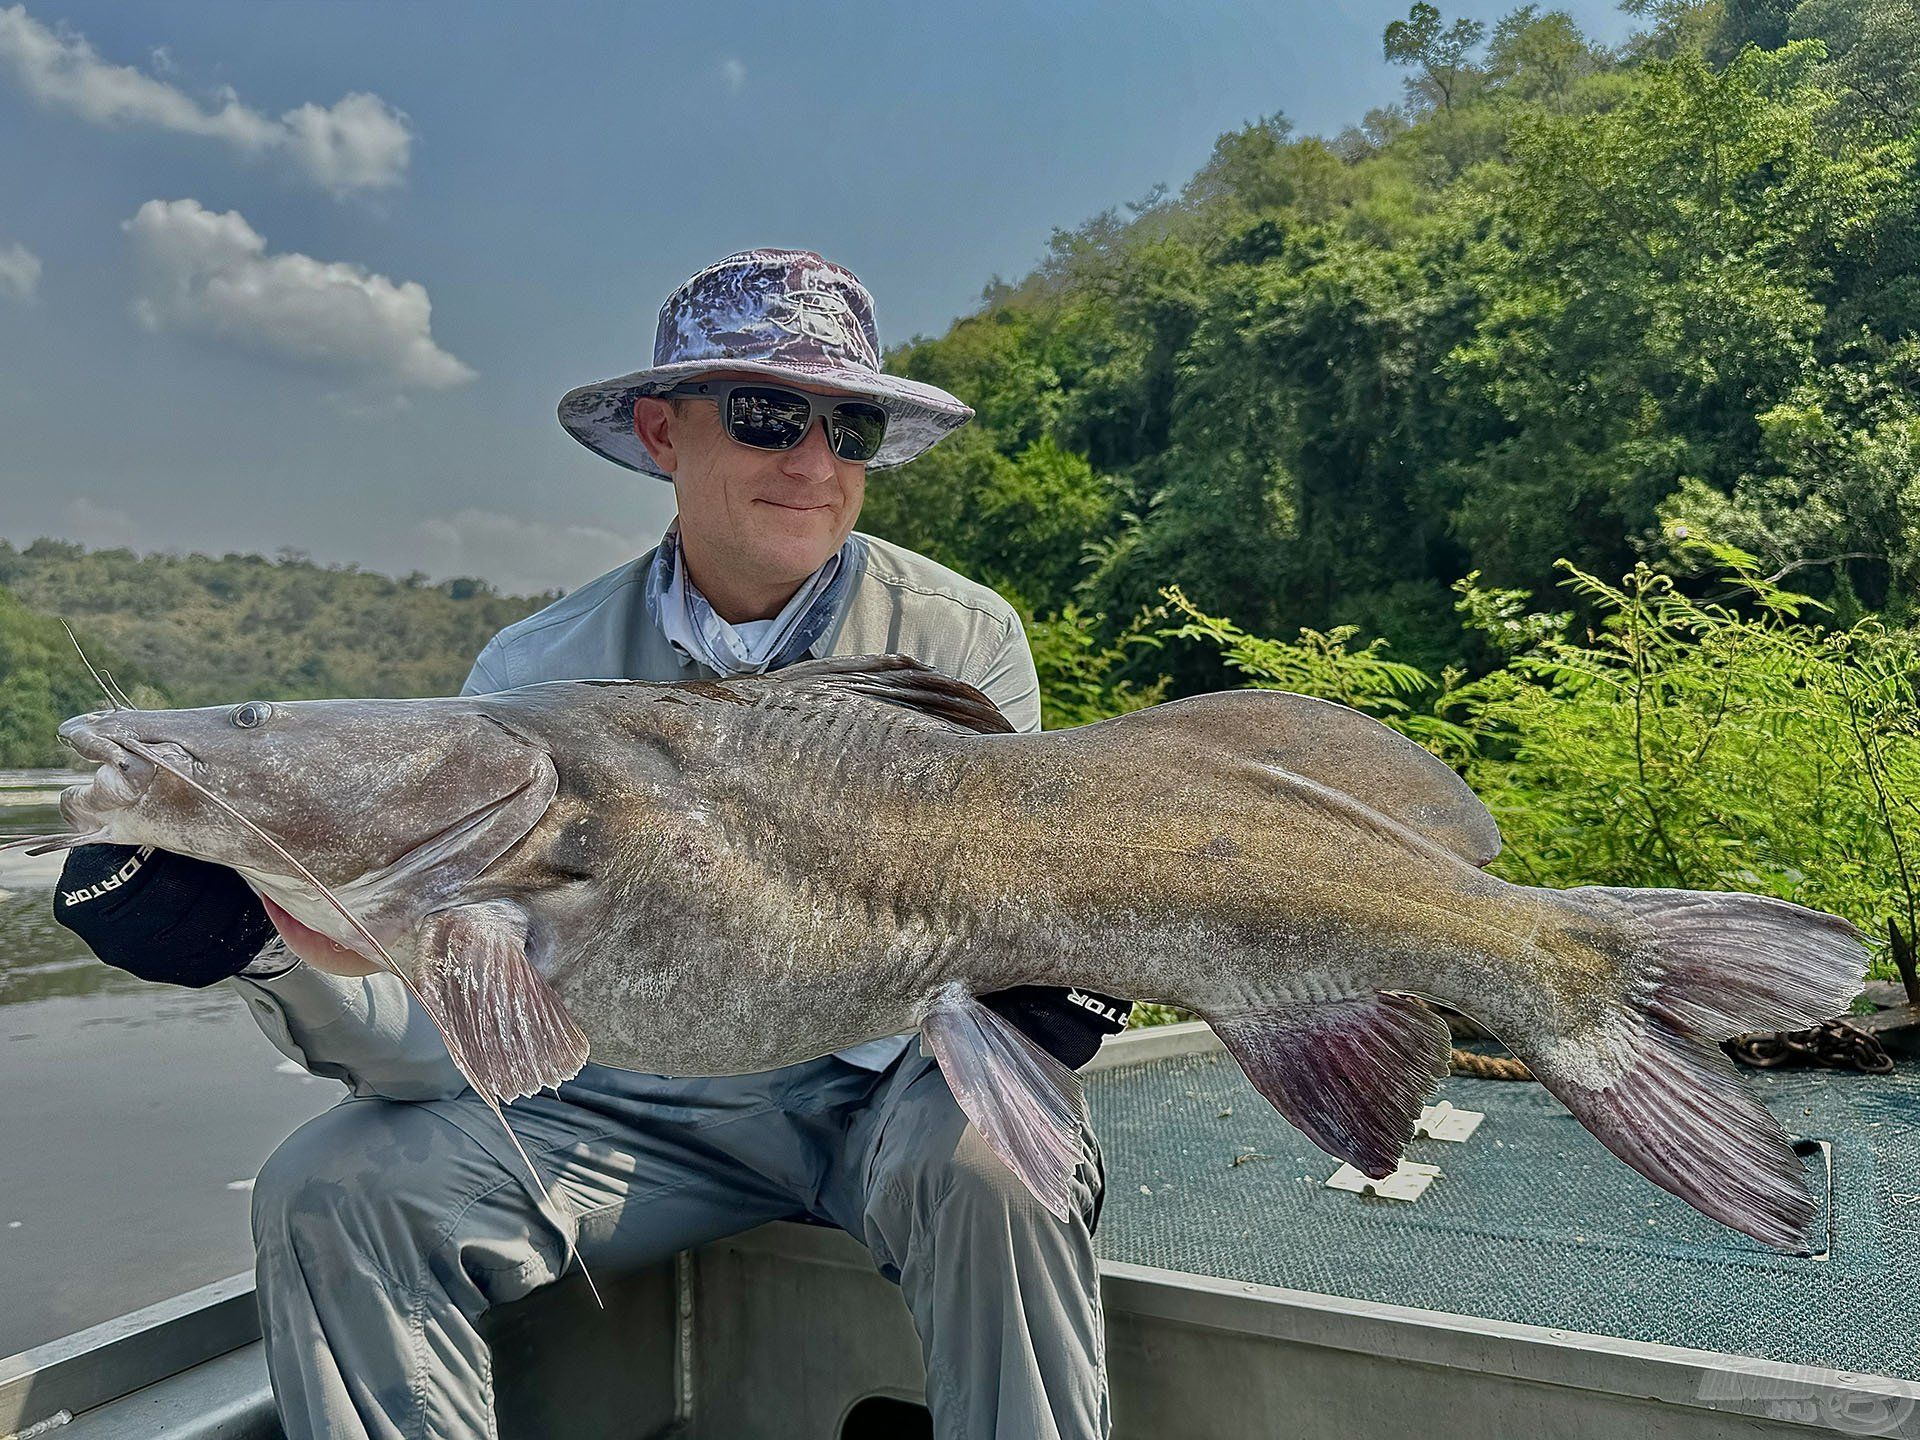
(856, 430)
(766, 417)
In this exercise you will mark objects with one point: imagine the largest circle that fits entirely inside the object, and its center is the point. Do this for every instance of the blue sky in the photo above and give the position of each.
(314, 274)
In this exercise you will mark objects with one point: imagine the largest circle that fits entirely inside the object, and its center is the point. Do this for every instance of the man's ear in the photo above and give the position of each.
(653, 422)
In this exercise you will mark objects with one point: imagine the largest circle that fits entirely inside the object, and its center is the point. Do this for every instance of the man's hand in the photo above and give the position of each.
(1068, 1024)
(316, 949)
(161, 916)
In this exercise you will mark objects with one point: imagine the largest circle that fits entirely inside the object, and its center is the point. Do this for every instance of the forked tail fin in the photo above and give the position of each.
(1652, 1083)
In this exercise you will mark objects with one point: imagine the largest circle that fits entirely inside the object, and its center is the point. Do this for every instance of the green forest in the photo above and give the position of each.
(1564, 414)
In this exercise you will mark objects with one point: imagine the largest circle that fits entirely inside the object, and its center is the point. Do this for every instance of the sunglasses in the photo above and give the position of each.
(772, 417)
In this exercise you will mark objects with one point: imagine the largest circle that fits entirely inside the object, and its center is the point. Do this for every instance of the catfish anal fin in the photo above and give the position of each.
(1027, 1106)
(1350, 1074)
(512, 1034)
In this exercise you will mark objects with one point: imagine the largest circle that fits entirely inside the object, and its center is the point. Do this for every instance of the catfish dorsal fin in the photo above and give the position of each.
(1342, 749)
(1350, 1074)
(905, 688)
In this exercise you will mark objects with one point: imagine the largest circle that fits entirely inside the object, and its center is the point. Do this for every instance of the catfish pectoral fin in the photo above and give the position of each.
(508, 1031)
(1027, 1106)
(1350, 1074)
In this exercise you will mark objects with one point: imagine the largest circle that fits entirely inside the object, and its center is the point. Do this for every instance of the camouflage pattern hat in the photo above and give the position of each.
(782, 313)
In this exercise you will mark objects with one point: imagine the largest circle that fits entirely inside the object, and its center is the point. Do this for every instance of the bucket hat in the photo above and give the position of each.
(783, 313)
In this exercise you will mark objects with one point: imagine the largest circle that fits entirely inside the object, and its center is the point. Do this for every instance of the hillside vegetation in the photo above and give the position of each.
(195, 630)
(1555, 305)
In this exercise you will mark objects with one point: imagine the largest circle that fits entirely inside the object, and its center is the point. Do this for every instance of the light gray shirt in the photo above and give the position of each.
(371, 1034)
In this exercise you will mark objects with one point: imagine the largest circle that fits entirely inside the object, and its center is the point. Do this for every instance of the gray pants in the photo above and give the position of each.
(384, 1232)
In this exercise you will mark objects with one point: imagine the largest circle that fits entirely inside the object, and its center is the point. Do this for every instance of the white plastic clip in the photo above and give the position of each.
(1443, 1122)
(1408, 1181)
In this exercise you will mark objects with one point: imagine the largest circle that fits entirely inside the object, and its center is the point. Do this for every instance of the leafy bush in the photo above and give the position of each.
(1083, 677)
(1718, 743)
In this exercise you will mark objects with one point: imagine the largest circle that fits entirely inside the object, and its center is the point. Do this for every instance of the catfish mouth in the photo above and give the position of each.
(122, 778)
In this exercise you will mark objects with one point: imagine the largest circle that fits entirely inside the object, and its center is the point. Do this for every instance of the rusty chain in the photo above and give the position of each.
(1835, 1044)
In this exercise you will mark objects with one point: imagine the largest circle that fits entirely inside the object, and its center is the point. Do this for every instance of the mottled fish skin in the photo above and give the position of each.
(722, 878)
(755, 914)
(750, 914)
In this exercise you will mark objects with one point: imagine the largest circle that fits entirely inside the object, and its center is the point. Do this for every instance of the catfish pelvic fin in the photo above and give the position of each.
(509, 1031)
(1027, 1106)
(1350, 1074)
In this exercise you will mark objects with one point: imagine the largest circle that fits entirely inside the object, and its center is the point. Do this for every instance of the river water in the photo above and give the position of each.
(133, 1116)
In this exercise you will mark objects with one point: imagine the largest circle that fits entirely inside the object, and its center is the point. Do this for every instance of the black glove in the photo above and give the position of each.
(1068, 1024)
(159, 915)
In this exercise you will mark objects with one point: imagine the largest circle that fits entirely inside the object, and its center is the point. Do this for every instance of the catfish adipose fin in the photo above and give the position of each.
(509, 1031)
(1380, 772)
(1027, 1106)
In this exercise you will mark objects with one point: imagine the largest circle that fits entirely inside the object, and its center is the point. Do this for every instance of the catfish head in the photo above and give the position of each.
(394, 803)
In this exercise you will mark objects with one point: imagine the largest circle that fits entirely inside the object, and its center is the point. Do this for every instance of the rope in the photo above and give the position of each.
(1488, 1067)
(1837, 1044)
(1481, 1067)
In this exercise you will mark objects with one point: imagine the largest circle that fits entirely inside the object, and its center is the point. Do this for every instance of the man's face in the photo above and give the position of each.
(773, 514)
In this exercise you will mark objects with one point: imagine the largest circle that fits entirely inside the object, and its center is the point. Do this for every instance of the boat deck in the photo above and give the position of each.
(1531, 1219)
(1537, 1287)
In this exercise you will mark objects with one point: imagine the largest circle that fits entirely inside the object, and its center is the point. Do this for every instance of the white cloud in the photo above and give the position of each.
(210, 273)
(100, 527)
(734, 72)
(521, 556)
(361, 142)
(19, 272)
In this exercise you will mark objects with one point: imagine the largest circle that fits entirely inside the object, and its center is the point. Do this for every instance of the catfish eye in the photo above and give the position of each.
(254, 712)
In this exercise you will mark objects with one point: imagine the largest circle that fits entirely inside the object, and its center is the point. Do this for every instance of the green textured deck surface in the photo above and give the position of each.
(1532, 1219)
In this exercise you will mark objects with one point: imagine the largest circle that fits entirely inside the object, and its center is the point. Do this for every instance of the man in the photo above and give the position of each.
(385, 1229)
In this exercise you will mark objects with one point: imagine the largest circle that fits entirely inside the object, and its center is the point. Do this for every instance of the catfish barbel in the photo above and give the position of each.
(714, 878)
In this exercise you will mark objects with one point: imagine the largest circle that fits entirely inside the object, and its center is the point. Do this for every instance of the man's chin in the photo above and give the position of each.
(798, 549)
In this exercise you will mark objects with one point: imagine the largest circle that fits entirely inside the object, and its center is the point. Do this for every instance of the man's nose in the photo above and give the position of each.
(812, 458)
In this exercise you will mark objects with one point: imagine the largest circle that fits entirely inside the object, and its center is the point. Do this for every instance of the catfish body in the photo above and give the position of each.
(770, 886)
(715, 878)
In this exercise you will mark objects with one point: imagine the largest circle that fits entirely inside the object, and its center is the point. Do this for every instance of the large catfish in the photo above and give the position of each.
(713, 878)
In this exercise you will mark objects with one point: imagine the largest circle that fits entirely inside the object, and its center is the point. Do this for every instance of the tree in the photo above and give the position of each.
(1835, 491)
(1679, 27)
(1657, 278)
(1539, 58)
(1873, 58)
(1377, 129)
(1262, 168)
(1446, 74)
(1750, 22)
(42, 682)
